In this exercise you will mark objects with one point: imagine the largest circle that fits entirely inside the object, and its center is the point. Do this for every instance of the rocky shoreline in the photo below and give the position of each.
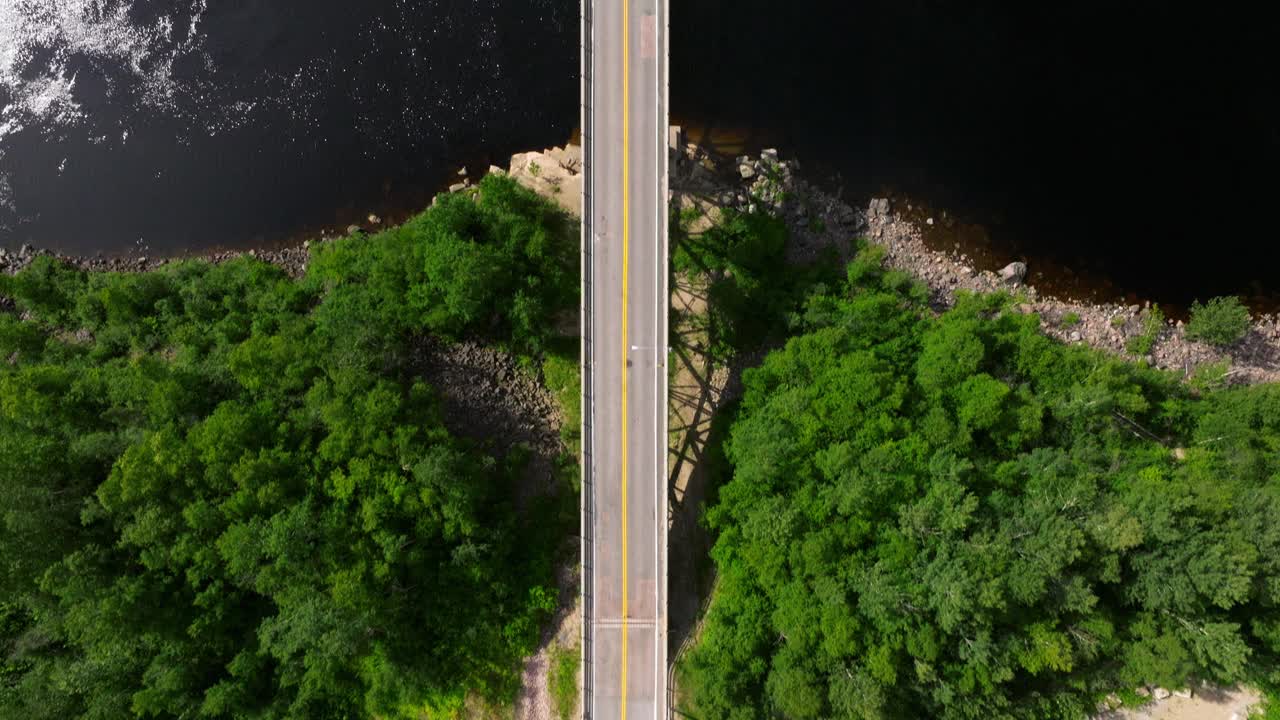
(293, 259)
(819, 219)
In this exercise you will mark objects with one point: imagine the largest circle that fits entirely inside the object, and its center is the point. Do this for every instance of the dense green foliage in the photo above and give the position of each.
(1221, 321)
(958, 517)
(225, 493)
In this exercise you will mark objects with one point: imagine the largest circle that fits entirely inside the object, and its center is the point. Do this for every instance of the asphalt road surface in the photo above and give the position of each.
(625, 348)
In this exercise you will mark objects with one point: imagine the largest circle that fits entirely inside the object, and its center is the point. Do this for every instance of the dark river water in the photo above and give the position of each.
(189, 124)
(1123, 149)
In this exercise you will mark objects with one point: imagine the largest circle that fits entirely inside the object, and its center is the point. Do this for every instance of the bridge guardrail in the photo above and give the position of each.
(586, 317)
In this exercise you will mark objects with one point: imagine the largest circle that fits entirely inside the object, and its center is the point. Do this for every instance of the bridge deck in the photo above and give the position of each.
(624, 354)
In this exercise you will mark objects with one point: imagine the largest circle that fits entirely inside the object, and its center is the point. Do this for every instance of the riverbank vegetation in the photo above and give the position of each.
(1221, 321)
(956, 516)
(562, 679)
(226, 494)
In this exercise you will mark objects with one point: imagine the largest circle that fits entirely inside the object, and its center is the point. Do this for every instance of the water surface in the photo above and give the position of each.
(189, 124)
(1124, 149)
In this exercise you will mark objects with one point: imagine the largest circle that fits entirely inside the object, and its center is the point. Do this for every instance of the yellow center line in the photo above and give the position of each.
(626, 251)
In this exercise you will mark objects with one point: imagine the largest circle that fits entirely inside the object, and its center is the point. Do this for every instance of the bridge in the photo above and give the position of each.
(624, 357)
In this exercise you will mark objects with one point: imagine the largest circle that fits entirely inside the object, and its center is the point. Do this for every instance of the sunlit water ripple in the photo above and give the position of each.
(189, 123)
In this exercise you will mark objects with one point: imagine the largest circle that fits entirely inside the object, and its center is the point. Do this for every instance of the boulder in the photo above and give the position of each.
(374, 219)
(1013, 273)
(569, 158)
(495, 170)
(1183, 693)
(879, 208)
(457, 187)
(554, 175)
(746, 170)
(702, 175)
(1159, 693)
(353, 229)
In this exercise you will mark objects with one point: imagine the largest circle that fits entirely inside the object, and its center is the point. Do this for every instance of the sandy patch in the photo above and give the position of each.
(1225, 704)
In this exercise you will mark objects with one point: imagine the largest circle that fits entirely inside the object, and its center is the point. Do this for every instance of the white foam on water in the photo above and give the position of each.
(40, 38)
(39, 41)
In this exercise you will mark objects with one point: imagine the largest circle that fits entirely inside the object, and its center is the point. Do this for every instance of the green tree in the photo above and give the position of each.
(955, 516)
(224, 493)
(1221, 321)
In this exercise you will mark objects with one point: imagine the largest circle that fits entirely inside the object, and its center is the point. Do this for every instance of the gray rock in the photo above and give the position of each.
(462, 171)
(879, 208)
(457, 187)
(374, 219)
(1183, 693)
(747, 171)
(495, 170)
(769, 154)
(1076, 336)
(1159, 693)
(353, 229)
(1014, 272)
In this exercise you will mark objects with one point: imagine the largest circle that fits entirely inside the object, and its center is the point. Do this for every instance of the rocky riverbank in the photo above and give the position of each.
(292, 259)
(819, 219)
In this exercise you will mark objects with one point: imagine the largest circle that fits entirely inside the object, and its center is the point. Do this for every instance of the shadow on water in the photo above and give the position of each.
(1124, 150)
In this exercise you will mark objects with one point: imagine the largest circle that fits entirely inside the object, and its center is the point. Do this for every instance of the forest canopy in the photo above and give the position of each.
(226, 494)
(958, 517)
